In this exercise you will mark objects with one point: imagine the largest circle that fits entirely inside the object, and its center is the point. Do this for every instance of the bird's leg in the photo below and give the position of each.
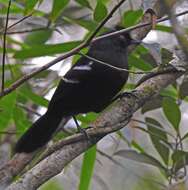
(81, 130)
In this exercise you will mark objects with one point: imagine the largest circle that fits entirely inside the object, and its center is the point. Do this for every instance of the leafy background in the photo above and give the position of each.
(151, 151)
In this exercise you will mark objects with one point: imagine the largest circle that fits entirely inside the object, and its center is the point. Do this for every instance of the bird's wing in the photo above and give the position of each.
(73, 79)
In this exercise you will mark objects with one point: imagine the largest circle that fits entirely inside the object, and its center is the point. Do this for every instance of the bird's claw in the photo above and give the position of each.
(84, 132)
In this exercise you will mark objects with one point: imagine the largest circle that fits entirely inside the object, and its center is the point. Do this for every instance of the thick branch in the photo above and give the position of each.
(108, 122)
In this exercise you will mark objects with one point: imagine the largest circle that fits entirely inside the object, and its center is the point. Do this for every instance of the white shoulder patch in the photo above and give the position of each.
(91, 63)
(70, 80)
(83, 67)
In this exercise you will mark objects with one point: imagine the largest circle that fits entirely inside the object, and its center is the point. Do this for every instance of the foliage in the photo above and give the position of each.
(35, 39)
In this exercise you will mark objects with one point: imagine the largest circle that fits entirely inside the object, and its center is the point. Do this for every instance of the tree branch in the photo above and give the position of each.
(109, 121)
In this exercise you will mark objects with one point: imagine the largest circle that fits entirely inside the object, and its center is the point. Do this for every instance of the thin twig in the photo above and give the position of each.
(154, 126)
(26, 30)
(107, 18)
(33, 30)
(9, 132)
(30, 110)
(4, 47)
(129, 29)
(15, 23)
(113, 67)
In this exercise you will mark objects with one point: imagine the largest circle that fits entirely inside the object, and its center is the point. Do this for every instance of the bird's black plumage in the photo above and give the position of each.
(88, 86)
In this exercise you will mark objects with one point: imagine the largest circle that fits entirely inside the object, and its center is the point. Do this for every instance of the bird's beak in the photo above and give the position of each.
(136, 42)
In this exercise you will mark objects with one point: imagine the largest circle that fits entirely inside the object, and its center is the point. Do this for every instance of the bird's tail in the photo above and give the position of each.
(39, 133)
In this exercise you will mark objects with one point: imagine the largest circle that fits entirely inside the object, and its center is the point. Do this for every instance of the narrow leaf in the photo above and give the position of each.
(7, 105)
(58, 7)
(164, 28)
(38, 37)
(84, 3)
(180, 159)
(29, 6)
(87, 168)
(100, 11)
(140, 157)
(20, 119)
(131, 17)
(139, 63)
(28, 94)
(156, 140)
(172, 112)
(48, 49)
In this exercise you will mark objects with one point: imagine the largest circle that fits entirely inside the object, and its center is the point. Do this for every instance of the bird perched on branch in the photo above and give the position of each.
(89, 86)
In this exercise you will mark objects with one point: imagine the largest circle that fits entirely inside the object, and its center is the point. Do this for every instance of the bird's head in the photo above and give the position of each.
(126, 37)
(128, 40)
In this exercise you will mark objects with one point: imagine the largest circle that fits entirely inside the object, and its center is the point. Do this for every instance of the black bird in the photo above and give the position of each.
(88, 86)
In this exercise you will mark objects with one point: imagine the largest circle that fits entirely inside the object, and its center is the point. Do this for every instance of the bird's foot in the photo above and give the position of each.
(81, 130)
(84, 132)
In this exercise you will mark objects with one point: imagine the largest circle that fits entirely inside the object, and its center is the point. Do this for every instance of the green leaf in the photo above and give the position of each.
(30, 4)
(164, 28)
(38, 37)
(170, 91)
(20, 119)
(14, 9)
(140, 157)
(161, 148)
(167, 56)
(90, 25)
(7, 105)
(131, 17)
(57, 9)
(184, 137)
(84, 3)
(88, 118)
(170, 146)
(122, 137)
(26, 92)
(172, 112)
(48, 49)
(137, 146)
(52, 185)
(180, 159)
(139, 63)
(100, 11)
(87, 168)
(149, 58)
